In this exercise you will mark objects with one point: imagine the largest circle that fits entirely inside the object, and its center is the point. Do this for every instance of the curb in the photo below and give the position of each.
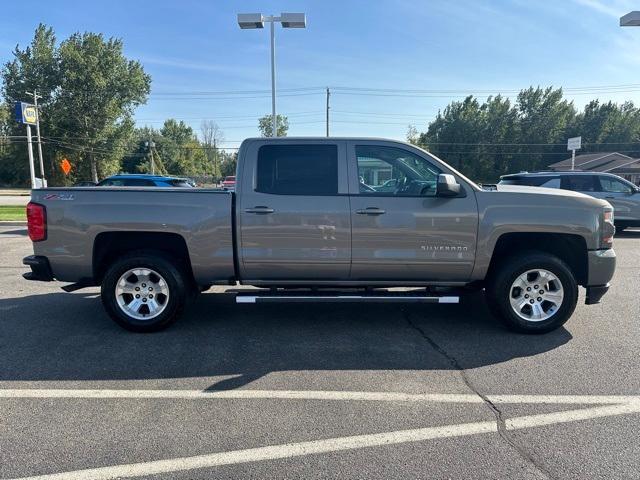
(13, 224)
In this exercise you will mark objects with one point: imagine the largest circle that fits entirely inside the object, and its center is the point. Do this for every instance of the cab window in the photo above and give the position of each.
(392, 171)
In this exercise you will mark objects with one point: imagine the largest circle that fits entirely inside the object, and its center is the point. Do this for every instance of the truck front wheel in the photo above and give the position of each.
(143, 292)
(533, 292)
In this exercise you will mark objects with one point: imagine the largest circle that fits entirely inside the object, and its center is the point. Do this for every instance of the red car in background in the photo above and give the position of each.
(229, 183)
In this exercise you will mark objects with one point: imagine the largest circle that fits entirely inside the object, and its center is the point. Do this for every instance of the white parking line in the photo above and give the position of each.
(315, 395)
(334, 445)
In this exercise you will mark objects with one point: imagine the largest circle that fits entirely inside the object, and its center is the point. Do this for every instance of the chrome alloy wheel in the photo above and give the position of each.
(142, 293)
(536, 295)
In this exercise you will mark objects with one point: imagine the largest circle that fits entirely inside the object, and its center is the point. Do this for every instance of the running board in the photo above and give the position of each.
(395, 298)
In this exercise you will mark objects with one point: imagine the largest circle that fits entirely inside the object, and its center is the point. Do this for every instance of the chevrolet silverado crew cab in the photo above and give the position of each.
(327, 219)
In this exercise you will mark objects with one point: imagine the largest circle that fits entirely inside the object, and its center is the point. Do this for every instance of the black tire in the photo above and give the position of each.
(176, 282)
(498, 291)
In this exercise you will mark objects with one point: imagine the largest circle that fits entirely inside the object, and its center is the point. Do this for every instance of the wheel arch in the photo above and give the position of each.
(108, 246)
(572, 249)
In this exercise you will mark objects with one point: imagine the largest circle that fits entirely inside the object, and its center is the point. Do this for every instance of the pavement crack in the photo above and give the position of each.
(500, 423)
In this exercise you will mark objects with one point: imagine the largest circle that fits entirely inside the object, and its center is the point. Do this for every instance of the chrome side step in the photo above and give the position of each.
(323, 298)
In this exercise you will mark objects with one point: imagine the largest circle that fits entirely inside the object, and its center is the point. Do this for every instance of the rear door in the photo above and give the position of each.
(406, 233)
(293, 211)
(581, 183)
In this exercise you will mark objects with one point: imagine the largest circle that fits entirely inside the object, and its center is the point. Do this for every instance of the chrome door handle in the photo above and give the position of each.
(371, 211)
(610, 198)
(260, 210)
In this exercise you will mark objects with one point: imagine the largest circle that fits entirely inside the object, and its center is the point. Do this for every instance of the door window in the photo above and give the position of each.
(298, 170)
(579, 183)
(394, 171)
(613, 185)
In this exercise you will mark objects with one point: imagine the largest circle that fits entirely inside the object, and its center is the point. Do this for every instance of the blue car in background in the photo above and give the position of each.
(145, 180)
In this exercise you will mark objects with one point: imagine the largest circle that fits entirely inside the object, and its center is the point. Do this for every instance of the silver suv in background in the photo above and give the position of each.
(623, 195)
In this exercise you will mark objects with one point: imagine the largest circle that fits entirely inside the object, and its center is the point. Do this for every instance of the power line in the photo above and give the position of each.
(237, 92)
(292, 114)
(232, 97)
(346, 88)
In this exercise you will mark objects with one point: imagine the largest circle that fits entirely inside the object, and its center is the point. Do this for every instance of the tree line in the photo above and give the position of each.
(486, 139)
(88, 94)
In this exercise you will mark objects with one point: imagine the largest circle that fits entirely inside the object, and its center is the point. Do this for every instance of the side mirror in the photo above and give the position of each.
(447, 186)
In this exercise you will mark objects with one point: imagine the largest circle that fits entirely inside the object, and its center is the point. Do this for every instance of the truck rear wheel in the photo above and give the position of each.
(533, 292)
(143, 292)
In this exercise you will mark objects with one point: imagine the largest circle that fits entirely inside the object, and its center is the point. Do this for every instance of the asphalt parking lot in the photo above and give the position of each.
(317, 391)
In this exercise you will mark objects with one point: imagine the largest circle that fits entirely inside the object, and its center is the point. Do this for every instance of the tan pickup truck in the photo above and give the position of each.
(327, 219)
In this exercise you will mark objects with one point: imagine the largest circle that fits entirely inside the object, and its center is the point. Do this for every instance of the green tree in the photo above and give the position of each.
(265, 125)
(615, 126)
(89, 91)
(544, 118)
(228, 163)
(181, 152)
(99, 90)
(499, 128)
(455, 132)
(486, 140)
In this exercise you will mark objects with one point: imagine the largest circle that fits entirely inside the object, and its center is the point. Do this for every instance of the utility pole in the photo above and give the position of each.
(35, 96)
(328, 94)
(215, 159)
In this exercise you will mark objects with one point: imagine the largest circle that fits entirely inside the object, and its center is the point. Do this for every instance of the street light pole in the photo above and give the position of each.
(274, 118)
(287, 20)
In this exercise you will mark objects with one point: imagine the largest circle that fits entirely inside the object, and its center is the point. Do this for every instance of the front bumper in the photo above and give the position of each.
(40, 268)
(602, 265)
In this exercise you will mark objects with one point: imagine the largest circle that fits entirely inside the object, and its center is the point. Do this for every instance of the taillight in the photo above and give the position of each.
(608, 229)
(36, 222)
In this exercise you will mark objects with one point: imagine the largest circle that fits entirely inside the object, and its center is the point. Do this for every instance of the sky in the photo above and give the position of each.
(413, 56)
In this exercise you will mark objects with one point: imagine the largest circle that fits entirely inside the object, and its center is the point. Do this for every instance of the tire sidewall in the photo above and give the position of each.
(500, 291)
(172, 277)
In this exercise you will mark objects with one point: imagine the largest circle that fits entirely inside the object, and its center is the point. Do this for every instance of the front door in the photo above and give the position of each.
(623, 196)
(400, 229)
(293, 212)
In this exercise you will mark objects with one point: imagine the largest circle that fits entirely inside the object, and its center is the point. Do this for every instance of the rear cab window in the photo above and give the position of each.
(297, 170)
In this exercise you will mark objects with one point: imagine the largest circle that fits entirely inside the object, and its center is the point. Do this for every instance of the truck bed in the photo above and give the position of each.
(80, 218)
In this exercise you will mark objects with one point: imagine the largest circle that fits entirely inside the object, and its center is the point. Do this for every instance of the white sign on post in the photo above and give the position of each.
(574, 143)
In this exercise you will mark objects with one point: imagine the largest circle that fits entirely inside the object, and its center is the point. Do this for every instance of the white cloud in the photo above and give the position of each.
(188, 65)
(611, 8)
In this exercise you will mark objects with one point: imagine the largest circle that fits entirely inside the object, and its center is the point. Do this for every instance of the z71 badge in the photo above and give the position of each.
(59, 196)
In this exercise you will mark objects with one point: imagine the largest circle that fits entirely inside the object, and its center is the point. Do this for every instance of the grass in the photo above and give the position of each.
(12, 213)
